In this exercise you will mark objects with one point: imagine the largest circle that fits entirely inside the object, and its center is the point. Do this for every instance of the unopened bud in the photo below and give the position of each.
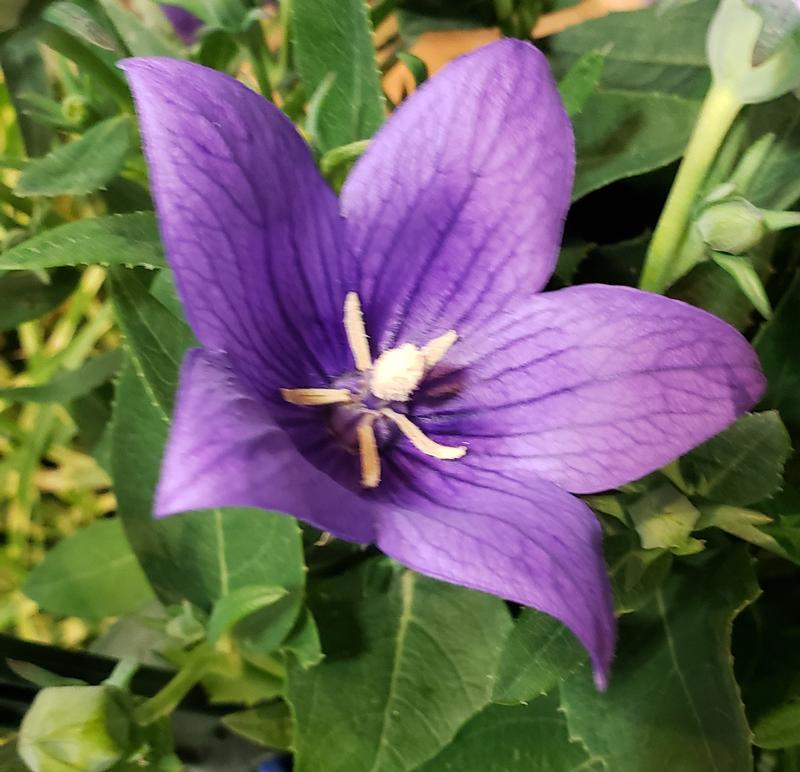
(733, 226)
(77, 727)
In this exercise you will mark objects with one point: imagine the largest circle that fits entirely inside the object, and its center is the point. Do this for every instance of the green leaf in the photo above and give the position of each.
(779, 728)
(92, 574)
(664, 519)
(24, 72)
(337, 39)
(636, 574)
(269, 725)
(201, 556)
(81, 23)
(746, 278)
(774, 184)
(69, 384)
(119, 239)
(417, 67)
(303, 641)
(743, 464)
(581, 81)
(672, 702)
(776, 344)
(538, 654)
(156, 338)
(81, 166)
(742, 523)
(238, 604)
(139, 39)
(24, 295)
(649, 50)
(621, 134)
(408, 660)
(527, 738)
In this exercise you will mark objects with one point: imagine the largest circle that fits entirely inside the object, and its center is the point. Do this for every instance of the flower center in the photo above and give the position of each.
(394, 377)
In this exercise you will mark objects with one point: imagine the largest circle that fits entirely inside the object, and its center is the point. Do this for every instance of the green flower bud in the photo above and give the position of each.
(732, 226)
(75, 109)
(71, 728)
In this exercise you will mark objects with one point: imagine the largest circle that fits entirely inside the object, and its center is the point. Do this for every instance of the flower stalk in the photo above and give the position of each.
(164, 702)
(717, 114)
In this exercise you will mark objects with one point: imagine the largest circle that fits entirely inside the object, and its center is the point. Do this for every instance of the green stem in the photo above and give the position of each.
(717, 114)
(253, 41)
(165, 701)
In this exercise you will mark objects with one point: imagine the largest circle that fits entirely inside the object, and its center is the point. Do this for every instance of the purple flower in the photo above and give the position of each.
(185, 23)
(454, 435)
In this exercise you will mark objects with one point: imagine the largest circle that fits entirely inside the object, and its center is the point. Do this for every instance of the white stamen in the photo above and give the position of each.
(397, 373)
(315, 396)
(435, 349)
(368, 452)
(420, 440)
(356, 332)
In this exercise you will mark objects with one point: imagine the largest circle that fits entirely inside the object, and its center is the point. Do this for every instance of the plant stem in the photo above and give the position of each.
(717, 114)
(253, 41)
(165, 701)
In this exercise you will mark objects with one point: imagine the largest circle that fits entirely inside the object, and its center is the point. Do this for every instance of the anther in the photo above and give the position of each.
(368, 452)
(356, 332)
(435, 349)
(316, 396)
(420, 440)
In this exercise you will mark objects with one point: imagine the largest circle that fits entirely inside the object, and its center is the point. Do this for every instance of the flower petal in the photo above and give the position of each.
(594, 386)
(251, 230)
(185, 23)
(515, 536)
(457, 208)
(225, 450)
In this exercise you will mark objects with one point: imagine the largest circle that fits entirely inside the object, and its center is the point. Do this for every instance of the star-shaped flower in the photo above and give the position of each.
(382, 367)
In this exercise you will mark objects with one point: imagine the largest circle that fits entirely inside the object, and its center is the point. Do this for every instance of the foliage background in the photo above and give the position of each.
(294, 642)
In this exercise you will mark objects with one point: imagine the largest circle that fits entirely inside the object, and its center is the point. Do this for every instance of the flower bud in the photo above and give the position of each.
(77, 727)
(732, 226)
(75, 109)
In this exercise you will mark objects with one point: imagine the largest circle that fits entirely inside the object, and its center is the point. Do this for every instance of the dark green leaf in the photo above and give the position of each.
(92, 574)
(156, 338)
(538, 654)
(649, 50)
(528, 738)
(408, 660)
(76, 20)
(80, 166)
(69, 384)
(776, 344)
(636, 574)
(122, 239)
(238, 604)
(337, 40)
(303, 641)
(672, 702)
(24, 72)
(24, 295)
(139, 39)
(418, 68)
(741, 270)
(780, 728)
(624, 133)
(581, 80)
(743, 464)
(268, 725)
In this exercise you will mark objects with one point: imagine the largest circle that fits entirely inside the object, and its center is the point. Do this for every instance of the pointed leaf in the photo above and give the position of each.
(406, 664)
(80, 166)
(672, 701)
(338, 41)
(93, 574)
(237, 605)
(746, 278)
(118, 239)
(741, 465)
